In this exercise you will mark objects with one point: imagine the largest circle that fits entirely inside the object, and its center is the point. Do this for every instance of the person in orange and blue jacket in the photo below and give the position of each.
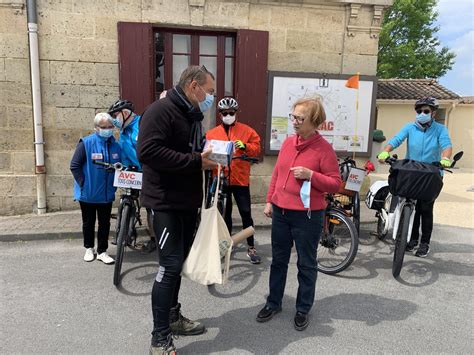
(246, 141)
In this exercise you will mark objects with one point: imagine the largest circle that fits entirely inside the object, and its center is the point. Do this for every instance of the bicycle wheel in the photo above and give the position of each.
(356, 212)
(338, 244)
(121, 242)
(401, 240)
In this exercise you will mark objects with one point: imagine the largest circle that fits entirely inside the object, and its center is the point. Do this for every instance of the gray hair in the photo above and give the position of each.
(102, 116)
(194, 72)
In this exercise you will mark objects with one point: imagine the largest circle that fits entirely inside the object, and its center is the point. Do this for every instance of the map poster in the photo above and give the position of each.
(345, 129)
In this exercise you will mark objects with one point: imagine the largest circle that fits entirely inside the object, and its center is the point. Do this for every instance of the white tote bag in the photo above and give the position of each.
(203, 264)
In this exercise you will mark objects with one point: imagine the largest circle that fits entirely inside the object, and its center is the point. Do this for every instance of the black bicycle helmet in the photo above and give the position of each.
(228, 103)
(427, 101)
(120, 105)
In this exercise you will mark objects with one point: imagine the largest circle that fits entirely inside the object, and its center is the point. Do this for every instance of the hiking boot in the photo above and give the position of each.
(301, 321)
(412, 244)
(267, 313)
(162, 345)
(253, 256)
(149, 247)
(89, 255)
(181, 325)
(423, 250)
(105, 258)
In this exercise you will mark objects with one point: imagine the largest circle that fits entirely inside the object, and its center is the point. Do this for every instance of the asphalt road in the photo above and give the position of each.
(52, 302)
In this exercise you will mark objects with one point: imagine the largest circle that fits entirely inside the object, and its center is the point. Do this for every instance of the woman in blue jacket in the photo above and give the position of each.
(427, 141)
(93, 185)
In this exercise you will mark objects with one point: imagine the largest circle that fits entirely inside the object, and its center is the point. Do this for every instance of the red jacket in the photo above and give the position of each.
(239, 169)
(314, 153)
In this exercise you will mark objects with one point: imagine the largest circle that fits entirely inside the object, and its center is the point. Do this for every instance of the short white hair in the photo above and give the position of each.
(102, 116)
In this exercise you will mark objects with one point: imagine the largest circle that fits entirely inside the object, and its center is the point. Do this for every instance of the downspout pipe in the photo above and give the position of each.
(40, 168)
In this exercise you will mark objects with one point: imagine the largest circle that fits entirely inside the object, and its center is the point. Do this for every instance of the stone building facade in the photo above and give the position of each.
(79, 65)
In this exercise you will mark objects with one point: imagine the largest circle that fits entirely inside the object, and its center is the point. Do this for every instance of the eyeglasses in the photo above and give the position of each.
(297, 119)
(425, 111)
(225, 113)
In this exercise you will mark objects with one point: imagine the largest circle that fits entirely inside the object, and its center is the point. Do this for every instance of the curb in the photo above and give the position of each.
(31, 237)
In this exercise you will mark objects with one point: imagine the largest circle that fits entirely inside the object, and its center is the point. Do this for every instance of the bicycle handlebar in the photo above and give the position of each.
(251, 160)
(115, 166)
(457, 156)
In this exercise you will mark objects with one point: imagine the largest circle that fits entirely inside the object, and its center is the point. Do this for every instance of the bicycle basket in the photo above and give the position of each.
(343, 191)
(415, 180)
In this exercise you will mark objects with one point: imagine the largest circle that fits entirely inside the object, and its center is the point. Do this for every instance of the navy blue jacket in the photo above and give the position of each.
(93, 183)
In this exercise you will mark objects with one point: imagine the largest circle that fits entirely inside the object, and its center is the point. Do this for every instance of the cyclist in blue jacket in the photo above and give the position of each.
(427, 141)
(93, 185)
(125, 119)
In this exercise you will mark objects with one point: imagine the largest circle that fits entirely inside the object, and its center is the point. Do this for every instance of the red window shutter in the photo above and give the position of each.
(251, 69)
(136, 72)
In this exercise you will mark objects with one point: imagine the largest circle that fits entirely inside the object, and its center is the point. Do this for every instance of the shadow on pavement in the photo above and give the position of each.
(366, 308)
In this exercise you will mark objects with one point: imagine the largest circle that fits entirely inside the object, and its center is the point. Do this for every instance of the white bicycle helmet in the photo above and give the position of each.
(228, 103)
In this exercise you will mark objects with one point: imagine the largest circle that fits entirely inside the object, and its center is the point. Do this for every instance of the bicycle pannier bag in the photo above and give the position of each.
(376, 195)
(203, 264)
(414, 179)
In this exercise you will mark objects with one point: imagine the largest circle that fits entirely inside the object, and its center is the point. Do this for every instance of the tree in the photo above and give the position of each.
(408, 46)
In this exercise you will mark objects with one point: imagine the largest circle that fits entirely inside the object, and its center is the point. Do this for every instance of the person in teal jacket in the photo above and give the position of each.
(93, 185)
(427, 141)
(125, 119)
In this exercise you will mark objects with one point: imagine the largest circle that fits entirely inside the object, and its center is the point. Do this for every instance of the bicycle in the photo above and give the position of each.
(339, 239)
(350, 199)
(128, 214)
(224, 184)
(429, 184)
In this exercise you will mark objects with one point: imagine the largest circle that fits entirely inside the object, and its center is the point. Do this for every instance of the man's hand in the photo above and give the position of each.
(207, 164)
(300, 172)
(239, 144)
(383, 156)
(445, 163)
(268, 211)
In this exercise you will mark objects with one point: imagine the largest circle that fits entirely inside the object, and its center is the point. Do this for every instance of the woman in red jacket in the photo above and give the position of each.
(306, 169)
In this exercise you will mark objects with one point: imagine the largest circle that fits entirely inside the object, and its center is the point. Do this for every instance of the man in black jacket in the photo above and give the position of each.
(169, 148)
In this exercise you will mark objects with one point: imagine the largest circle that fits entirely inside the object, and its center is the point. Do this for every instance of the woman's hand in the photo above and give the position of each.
(268, 210)
(300, 172)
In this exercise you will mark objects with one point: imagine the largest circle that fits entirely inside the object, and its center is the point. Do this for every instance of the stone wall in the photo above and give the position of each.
(79, 70)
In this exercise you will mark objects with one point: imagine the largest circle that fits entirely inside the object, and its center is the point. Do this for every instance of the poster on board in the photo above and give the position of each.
(346, 129)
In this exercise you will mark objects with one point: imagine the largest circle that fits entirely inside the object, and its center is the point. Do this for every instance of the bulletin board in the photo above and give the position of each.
(345, 129)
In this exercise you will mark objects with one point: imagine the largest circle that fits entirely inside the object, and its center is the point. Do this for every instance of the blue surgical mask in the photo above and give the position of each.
(305, 192)
(117, 123)
(423, 118)
(106, 133)
(207, 103)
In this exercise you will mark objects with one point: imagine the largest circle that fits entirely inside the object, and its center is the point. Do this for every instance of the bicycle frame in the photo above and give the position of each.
(129, 197)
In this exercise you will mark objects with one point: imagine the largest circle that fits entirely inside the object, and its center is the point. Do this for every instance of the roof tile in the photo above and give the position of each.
(412, 89)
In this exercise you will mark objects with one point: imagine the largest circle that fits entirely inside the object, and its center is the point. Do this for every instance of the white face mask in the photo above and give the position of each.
(229, 119)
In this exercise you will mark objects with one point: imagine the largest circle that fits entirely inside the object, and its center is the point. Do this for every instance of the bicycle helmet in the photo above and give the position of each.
(228, 103)
(120, 105)
(427, 101)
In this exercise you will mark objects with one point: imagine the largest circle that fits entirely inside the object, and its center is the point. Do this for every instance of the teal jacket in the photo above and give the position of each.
(128, 143)
(423, 145)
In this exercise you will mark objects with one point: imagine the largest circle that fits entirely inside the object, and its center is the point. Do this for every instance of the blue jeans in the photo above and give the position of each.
(288, 227)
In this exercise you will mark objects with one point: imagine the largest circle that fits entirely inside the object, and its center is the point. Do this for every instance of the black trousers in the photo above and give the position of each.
(89, 213)
(174, 233)
(423, 212)
(242, 198)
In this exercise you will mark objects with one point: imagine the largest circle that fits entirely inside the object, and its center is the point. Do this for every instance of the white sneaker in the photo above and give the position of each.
(89, 255)
(105, 258)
